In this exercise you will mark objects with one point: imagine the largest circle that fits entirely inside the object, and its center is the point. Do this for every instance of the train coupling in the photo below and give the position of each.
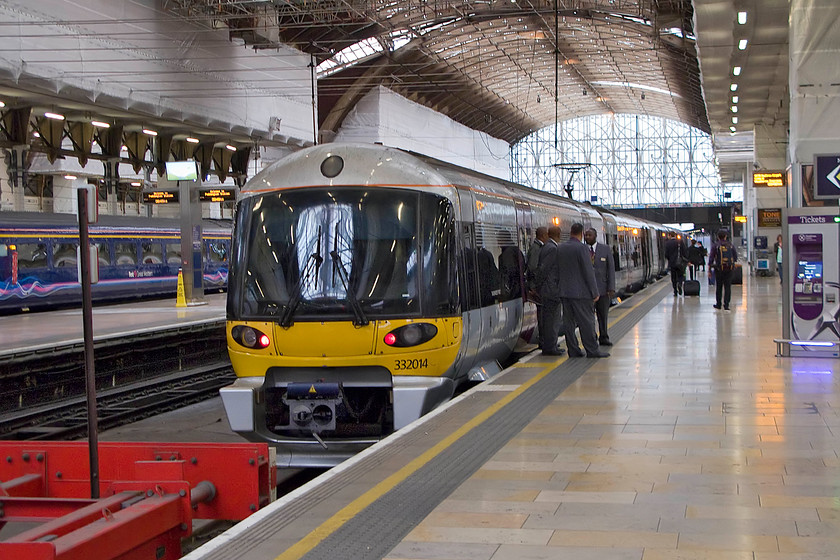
(312, 405)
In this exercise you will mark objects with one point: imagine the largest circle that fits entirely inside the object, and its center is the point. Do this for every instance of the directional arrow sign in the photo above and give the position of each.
(827, 176)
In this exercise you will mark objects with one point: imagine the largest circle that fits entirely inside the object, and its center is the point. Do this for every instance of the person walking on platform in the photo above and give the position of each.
(677, 255)
(603, 265)
(722, 261)
(540, 238)
(695, 258)
(777, 248)
(579, 293)
(548, 278)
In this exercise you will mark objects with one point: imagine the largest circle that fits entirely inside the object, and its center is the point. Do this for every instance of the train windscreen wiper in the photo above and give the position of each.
(312, 262)
(359, 317)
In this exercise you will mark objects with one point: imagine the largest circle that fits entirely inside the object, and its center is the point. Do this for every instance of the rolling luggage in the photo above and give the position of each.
(691, 288)
(738, 274)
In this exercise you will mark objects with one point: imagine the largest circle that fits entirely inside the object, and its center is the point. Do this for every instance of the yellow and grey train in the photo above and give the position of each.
(367, 283)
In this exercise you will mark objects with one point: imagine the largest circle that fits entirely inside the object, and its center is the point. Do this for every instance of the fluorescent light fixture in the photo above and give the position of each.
(734, 108)
(100, 124)
(734, 99)
(742, 18)
(150, 132)
(192, 140)
(811, 343)
(732, 128)
(736, 71)
(136, 184)
(742, 45)
(54, 116)
(733, 87)
(71, 177)
(230, 147)
(734, 120)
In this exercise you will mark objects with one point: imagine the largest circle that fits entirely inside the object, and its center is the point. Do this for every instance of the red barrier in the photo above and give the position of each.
(150, 492)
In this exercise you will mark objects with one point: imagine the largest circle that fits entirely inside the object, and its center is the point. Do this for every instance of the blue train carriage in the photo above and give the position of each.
(368, 283)
(137, 257)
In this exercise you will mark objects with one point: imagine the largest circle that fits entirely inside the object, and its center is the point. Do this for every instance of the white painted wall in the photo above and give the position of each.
(386, 117)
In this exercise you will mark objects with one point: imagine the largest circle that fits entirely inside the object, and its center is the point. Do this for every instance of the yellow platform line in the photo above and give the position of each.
(348, 512)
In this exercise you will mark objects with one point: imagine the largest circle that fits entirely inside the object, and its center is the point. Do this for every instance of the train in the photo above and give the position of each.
(368, 283)
(136, 257)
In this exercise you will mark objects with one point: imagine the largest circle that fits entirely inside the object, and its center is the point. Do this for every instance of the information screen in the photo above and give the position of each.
(809, 270)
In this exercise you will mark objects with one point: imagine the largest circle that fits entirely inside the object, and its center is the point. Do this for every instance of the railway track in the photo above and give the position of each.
(67, 419)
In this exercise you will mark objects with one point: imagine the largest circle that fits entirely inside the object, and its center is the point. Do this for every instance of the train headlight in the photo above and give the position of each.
(411, 335)
(250, 337)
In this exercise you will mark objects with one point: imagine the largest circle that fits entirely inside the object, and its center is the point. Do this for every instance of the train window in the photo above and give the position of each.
(64, 255)
(216, 251)
(173, 254)
(439, 266)
(103, 253)
(32, 255)
(126, 254)
(152, 253)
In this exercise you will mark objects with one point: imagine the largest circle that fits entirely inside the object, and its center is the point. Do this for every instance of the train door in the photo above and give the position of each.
(470, 305)
(527, 328)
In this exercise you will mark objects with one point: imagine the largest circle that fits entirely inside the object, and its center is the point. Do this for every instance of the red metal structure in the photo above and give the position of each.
(151, 492)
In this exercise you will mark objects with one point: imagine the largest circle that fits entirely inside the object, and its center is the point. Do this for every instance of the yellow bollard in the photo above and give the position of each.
(182, 299)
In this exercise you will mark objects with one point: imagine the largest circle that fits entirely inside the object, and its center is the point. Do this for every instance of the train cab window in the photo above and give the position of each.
(64, 255)
(32, 255)
(152, 253)
(126, 254)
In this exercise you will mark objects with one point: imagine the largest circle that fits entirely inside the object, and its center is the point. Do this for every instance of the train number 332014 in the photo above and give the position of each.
(411, 364)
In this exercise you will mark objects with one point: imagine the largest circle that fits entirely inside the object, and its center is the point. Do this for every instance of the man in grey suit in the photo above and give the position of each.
(578, 292)
(548, 273)
(604, 267)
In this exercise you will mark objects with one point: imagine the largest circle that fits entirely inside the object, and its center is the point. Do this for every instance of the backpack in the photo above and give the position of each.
(727, 256)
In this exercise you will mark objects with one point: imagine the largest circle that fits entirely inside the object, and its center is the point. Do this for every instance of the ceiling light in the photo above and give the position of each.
(70, 177)
(54, 116)
(734, 99)
(734, 120)
(136, 184)
(150, 132)
(100, 124)
(231, 148)
(737, 70)
(2, 104)
(742, 18)
(742, 44)
(192, 140)
(733, 87)
(36, 134)
(734, 108)
(732, 128)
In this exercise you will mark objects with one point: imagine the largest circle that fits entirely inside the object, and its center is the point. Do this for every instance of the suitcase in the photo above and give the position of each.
(738, 274)
(691, 288)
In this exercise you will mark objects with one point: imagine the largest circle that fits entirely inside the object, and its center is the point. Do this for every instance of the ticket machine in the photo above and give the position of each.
(811, 283)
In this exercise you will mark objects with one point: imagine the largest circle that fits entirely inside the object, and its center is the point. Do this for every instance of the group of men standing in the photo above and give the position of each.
(577, 277)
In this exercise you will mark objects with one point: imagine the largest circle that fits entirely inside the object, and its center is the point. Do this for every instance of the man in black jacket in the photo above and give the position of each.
(676, 254)
(604, 267)
(548, 285)
(722, 260)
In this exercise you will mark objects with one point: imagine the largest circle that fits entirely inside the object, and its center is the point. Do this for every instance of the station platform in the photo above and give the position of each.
(31, 332)
(691, 441)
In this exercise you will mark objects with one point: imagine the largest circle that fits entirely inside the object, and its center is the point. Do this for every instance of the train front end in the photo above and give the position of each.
(343, 314)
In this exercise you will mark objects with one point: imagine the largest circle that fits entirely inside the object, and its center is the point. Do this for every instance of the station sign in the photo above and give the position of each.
(769, 179)
(770, 217)
(160, 197)
(827, 173)
(217, 195)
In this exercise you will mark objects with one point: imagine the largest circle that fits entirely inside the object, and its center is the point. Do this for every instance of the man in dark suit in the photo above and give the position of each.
(533, 264)
(604, 267)
(676, 254)
(548, 271)
(578, 292)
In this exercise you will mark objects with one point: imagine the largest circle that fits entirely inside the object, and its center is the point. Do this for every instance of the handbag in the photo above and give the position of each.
(712, 278)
